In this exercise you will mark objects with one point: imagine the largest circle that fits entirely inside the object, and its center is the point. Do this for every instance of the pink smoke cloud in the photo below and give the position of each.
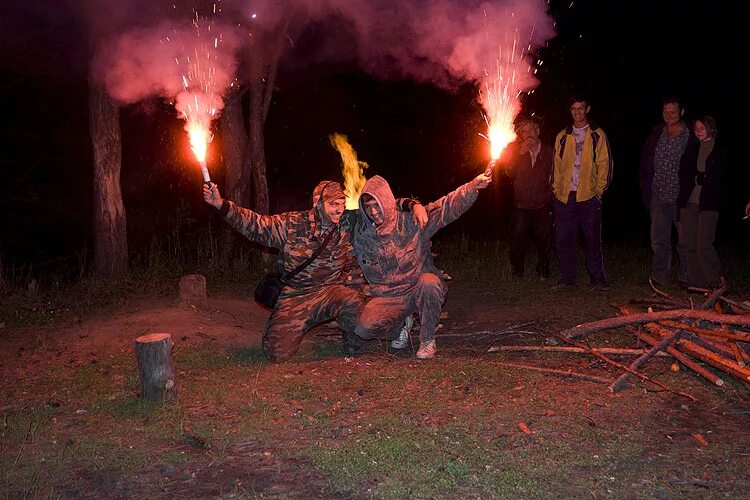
(160, 60)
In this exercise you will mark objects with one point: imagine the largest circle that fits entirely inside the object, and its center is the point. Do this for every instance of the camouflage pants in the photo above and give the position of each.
(383, 317)
(294, 316)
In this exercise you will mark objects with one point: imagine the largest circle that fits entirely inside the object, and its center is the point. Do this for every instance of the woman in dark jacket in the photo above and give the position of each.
(702, 191)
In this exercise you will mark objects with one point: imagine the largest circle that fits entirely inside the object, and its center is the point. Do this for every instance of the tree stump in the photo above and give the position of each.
(193, 291)
(153, 354)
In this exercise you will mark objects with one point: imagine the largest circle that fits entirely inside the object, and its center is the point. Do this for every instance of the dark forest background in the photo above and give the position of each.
(625, 55)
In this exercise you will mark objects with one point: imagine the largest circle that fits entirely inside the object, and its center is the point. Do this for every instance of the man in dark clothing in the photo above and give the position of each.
(660, 185)
(395, 256)
(530, 169)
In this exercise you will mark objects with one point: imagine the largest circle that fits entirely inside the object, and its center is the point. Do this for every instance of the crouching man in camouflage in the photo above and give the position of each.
(395, 256)
(316, 294)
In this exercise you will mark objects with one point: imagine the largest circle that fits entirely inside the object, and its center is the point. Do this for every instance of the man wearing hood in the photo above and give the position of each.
(394, 253)
(316, 294)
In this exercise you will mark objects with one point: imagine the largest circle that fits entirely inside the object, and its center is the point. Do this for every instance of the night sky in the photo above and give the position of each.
(625, 55)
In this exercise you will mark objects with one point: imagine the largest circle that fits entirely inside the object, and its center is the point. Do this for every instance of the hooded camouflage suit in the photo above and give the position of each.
(396, 260)
(315, 294)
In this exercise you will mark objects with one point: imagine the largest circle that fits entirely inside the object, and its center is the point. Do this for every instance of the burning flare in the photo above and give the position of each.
(500, 89)
(200, 102)
(199, 139)
(501, 107)
(352, 169)
(197, 111)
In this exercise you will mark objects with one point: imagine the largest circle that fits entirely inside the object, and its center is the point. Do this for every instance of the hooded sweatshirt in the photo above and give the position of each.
(297, 235)
(394, 254)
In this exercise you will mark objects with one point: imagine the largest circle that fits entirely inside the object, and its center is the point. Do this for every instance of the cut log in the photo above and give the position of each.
(153, 355)
(193, 291)
(623, 379)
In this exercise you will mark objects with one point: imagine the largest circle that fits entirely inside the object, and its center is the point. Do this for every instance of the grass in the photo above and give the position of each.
(397, 460)
(376, 426)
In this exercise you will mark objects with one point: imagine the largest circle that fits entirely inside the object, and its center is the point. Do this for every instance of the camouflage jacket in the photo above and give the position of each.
(394, 254)
(297, 235)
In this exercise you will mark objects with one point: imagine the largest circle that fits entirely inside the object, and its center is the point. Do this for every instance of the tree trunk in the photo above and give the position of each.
(153, 355)
(237, 183)
(256, 157)
(263, 77)
(110, 242)
(235, 145)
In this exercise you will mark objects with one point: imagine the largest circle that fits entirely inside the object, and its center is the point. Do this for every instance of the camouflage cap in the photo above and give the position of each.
(332, 191)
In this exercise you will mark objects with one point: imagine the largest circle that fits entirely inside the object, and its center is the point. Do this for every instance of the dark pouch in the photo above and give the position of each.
(268, 290)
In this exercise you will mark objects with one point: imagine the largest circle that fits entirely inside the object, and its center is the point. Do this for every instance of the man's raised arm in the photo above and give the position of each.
(451, 206)
(268, 230)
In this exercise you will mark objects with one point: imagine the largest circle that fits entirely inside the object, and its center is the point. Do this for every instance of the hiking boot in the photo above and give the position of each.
(427, 350)
(403, 336)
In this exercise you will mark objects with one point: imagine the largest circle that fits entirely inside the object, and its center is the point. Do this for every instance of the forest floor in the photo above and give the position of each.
(382, 424)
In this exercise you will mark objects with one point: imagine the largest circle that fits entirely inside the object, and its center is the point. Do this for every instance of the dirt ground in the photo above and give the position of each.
(382, 424)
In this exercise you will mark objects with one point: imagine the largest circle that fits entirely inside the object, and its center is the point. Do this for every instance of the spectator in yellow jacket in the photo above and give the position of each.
(582, 171)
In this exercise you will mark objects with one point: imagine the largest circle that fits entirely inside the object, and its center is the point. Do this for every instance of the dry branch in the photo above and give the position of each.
(714, 297)
(623, 379)
(739, 354)
(723, 333)
(678, 355)
(604, 350)
(582, 376)
(682, 358)
(658, 292)
(640, 318)
(626, 368)
(705, 355)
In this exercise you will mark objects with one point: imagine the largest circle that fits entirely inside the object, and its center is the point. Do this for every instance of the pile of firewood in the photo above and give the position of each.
(711, 339)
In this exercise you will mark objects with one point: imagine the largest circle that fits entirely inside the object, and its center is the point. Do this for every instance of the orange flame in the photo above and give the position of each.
(500, 135)
(199, 139)
(351, 168)
(501, 107)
